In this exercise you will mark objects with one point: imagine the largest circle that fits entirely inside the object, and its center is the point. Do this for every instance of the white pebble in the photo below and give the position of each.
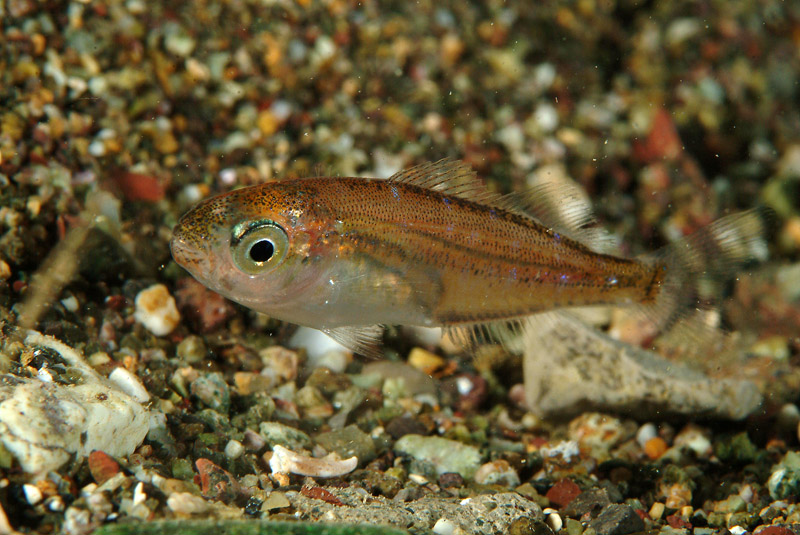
(55, 504)
(139, 495)
(316, 343)
(546, 117)
(32, 493)
(70, 303)
(554, 521)
(737, 530)
(228, 176)
(234, 449)
(444, 526)
(97, 148)
(418, 479)
(335, 360)
(130, 384)
(187, 503)
(156, 310)
(645, 433)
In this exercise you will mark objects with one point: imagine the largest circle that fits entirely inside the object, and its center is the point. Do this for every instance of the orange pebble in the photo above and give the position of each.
(655, 447)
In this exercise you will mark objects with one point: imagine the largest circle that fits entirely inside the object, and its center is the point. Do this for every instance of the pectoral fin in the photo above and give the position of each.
(362, 339)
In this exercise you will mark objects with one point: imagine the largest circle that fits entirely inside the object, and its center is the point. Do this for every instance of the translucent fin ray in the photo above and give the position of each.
(362, 339)
(695, 266)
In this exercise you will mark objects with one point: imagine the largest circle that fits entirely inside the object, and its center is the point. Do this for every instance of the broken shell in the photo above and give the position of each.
(287, 461)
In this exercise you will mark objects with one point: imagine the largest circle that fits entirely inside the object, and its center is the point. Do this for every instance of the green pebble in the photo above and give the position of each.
(445, 455)
(191, 350)
(348, 442)
(738, 449)
(288, 437)
(574, 527)
(784, 482)
(182, 469)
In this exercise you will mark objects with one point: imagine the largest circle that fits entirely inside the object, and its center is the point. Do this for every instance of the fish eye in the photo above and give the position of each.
(258, 246)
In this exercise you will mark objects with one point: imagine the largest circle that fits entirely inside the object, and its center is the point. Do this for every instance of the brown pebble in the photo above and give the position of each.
(655, 448)
(562, 493)
(775, 530)
(318, 493)
(677, 522)
(215, 482)
(403, 425)
(450, 480)
(102, 466)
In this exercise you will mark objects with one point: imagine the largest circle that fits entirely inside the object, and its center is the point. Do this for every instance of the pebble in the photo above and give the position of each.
(563, 492)
(275, 433)
(191, 349)
(497, 472)
(350, 441)
(212, 390)
(694, 439)
(247, 383)
(316, 343)
(187, 504)
(425, 361)
(784, 481)
(657, 510)
(156, 310)
(553, 519)
(645, 433)
(405, 380)
(32, 493)
(275, 500)
(129, 383)
(445, 526)
(443, 454)
(102, 466)
(589, 502)
(43, 425)
(617, 519)
(655, 448)
(234, 449)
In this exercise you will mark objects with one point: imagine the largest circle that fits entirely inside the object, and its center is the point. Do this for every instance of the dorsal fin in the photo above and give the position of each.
(564, 207)
(560, 205)
(450, 177)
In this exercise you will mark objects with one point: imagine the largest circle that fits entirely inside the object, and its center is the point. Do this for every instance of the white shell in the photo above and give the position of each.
(287, 461)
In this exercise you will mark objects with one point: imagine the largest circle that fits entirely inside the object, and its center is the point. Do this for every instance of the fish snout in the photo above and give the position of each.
(188, 253)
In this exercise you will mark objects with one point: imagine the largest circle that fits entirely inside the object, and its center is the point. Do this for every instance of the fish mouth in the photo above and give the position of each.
(188, 255)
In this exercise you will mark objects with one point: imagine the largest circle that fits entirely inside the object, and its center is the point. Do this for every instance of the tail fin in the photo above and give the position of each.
(695, 268)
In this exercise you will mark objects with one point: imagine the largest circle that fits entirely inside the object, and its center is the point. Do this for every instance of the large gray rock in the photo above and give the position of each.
(571, 368)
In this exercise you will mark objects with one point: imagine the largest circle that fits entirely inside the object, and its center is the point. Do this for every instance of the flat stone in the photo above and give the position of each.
(486, 514)
(443, 454)
(591, 501)
(571, 368)
(44, 423)
(617, 519)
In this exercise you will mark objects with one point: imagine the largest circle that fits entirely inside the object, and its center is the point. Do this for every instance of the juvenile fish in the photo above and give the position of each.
(430, 246)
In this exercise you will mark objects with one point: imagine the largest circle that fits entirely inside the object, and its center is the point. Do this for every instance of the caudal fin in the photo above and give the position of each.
(696, 268)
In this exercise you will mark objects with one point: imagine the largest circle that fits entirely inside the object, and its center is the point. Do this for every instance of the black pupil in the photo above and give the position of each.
(262, 250)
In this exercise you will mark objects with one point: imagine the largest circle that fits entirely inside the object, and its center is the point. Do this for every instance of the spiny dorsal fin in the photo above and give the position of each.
(560, 205)
(449, 177)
